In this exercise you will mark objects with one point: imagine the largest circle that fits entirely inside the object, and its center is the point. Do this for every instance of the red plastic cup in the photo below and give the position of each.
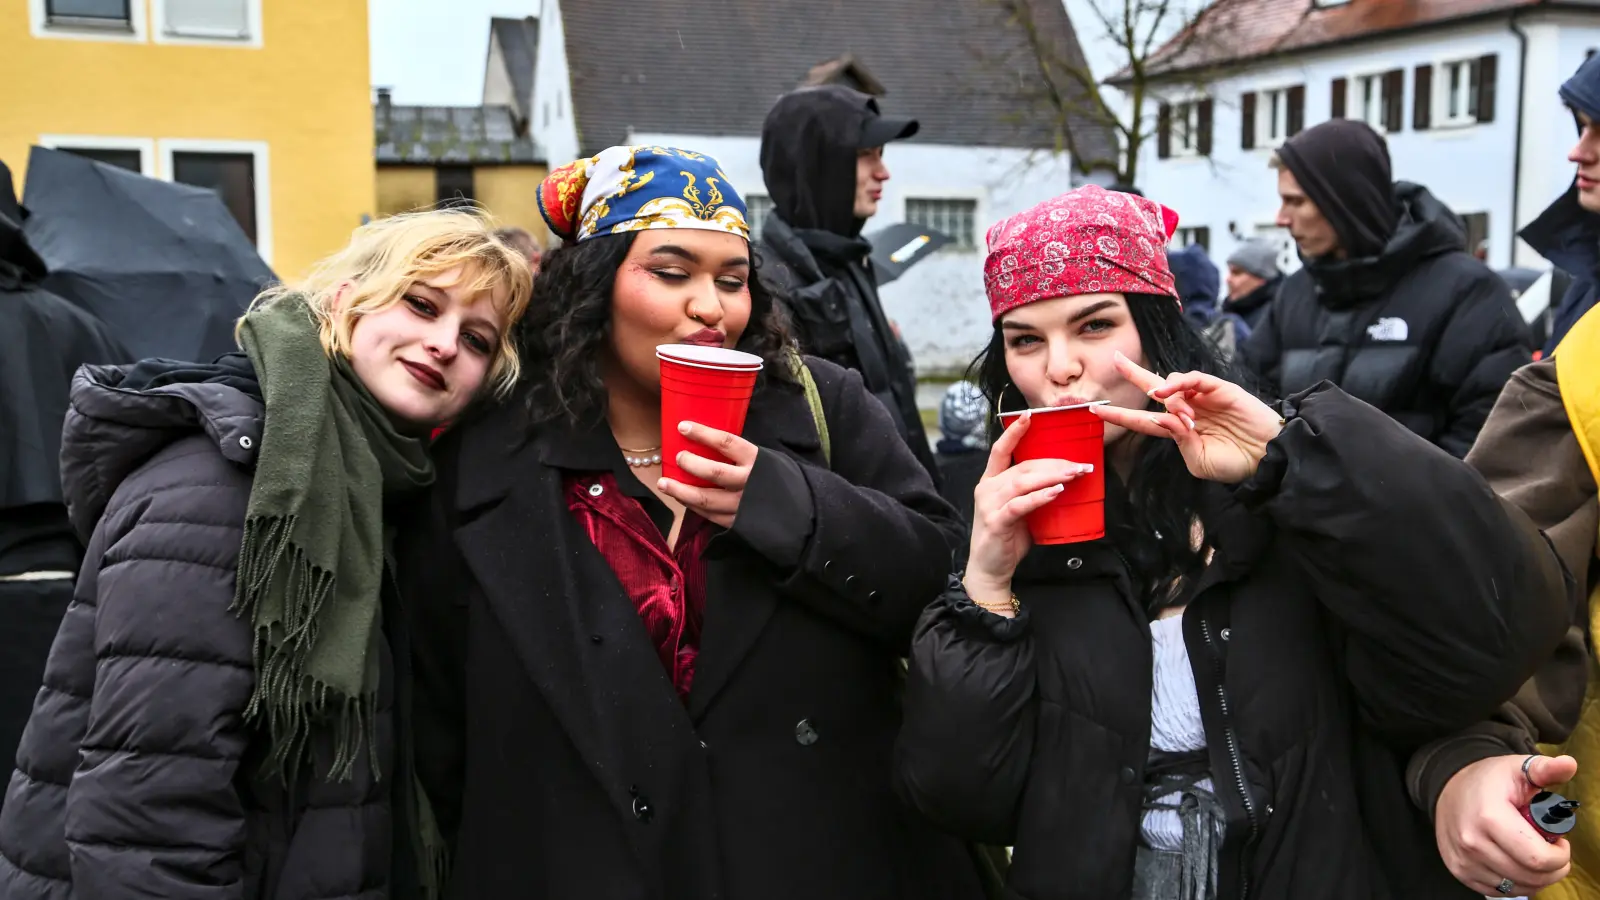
(1075, 434)
(709, 386)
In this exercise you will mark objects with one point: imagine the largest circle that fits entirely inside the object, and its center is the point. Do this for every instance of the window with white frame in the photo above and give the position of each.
(1458, 84)
(132, 153)
(93, 13)
(227, 21)
(1272, 116)
(1186, 128)
(757, 207)
(1370, 100)
(1190, 235)
(955, 217)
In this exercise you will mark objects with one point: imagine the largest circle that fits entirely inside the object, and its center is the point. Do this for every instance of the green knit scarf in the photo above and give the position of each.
(311, 565)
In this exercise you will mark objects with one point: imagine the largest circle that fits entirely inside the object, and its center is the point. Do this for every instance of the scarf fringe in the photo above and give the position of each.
(290, 702)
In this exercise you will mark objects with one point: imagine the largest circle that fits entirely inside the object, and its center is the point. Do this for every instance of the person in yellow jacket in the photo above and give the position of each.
(1540, 449)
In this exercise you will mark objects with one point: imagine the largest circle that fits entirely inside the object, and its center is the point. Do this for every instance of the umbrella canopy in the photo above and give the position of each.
(899, 247)
(166, 265)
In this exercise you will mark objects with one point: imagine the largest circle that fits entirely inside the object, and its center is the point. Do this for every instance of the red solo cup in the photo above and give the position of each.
(1075, 434)
(709, 386)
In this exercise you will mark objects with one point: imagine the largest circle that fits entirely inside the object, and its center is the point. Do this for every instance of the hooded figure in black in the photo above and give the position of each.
(809, 149)
(1389, 304)
(43, 340)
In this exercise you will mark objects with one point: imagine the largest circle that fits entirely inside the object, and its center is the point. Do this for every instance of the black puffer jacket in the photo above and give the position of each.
(137, 775)
(1423, 332)
(1368, 594)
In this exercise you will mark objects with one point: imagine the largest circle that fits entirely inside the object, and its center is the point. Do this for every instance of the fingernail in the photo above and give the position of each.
(1057, 489)
(661, 483)
(1085, 469)
(683, 427)
(1187, 421)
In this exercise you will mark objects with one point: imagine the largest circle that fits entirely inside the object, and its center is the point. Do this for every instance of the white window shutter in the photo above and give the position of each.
(208, 18)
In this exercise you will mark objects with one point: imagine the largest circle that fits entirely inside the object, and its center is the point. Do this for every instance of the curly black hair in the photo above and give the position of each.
(1153, 528)
(570, 319)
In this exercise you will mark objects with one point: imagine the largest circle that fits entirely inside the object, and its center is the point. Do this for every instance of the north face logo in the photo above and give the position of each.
(1389, 329)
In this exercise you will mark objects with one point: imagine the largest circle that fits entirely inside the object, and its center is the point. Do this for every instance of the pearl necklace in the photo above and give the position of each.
(641, 459)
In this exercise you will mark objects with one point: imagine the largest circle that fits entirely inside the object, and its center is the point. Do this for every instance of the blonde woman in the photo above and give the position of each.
(223, 713)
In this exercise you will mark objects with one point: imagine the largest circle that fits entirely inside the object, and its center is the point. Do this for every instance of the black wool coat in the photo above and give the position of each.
(553, 745)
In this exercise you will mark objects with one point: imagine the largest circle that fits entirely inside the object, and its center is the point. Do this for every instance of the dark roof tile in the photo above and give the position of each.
(714, 67)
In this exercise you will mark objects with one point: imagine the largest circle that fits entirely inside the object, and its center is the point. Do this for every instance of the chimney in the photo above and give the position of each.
(383, 106)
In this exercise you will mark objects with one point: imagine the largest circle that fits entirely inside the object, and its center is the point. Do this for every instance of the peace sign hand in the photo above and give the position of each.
(1221, 429)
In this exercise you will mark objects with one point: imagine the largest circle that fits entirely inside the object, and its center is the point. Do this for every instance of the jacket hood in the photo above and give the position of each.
(111, 430)
(1426, 228)
(1581, 92)
(808, 156)
(1197, 278)
(16, 254)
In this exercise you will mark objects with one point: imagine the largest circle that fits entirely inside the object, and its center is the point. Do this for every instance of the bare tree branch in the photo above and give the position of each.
(1054, 79)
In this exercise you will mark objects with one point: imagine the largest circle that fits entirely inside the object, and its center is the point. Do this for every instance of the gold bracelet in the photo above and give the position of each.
(1015, 606)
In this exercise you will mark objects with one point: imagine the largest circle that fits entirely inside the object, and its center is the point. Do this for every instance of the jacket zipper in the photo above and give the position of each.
(1234, 756)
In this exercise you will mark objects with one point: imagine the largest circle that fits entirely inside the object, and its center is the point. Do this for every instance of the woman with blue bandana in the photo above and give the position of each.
(629, 687)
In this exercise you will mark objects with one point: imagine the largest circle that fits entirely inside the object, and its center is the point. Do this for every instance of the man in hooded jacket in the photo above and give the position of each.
(822, 160)
(1568, 232)
(1389, 304)
(43, 340)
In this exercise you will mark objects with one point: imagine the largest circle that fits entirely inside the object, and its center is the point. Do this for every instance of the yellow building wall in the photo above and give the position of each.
(305, 93)
(405, 188)
(511, 195)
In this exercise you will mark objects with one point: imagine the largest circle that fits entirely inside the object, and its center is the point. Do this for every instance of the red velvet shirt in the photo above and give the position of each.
(628, 525)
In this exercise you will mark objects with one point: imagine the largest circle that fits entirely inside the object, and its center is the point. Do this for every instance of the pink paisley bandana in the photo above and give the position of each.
(1086, 241)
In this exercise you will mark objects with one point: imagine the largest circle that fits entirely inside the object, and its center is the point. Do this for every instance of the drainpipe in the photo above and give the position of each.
(1516, 155)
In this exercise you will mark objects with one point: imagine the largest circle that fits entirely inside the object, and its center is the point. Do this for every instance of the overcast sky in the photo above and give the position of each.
(431, 52)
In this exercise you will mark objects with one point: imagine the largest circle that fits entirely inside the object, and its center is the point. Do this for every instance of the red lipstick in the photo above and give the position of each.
(427, 375)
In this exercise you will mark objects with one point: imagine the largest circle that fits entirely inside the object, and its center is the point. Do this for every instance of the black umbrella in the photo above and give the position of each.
(899, 247)
(166, 265)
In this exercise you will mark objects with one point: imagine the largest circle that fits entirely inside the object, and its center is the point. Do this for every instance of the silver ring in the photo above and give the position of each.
(1525, 764)
(1506, 888)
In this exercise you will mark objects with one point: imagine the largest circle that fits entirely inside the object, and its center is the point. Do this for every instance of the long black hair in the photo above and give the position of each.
(1152, 526)
(569, 321)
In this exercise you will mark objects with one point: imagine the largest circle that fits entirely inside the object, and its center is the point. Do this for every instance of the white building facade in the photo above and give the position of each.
(1489, 138)
(961, 189)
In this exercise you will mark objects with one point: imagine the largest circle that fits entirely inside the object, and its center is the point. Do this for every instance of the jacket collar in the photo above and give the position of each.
(1566, 234)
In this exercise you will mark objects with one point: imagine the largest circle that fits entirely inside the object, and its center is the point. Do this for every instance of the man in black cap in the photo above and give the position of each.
(822, 159)
(1389, 305)
(43, 340)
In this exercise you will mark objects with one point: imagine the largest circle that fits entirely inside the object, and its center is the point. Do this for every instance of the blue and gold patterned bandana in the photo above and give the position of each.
(627, 189)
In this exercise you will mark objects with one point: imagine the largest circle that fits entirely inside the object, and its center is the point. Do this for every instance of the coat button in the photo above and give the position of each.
(1075, 563)
(873, 597)
(246, 442)
(1128, 774)
(1227, 633)
(596, 490)
(642, 809)
(596, 639)
(849, 581)
(805, 733)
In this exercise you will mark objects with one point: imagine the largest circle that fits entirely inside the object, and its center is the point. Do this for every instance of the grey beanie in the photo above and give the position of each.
(1257, 257)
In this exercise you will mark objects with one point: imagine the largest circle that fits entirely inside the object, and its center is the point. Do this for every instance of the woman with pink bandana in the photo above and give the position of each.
(1220, 697)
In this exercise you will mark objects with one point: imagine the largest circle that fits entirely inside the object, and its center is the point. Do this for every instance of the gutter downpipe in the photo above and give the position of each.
(1516, 157)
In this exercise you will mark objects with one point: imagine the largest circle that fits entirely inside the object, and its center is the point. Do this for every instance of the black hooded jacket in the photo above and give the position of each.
(1422, 331)
(808, 159)
(43, 340)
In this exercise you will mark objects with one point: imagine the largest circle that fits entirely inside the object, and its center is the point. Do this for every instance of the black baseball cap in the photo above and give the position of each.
(879, 129)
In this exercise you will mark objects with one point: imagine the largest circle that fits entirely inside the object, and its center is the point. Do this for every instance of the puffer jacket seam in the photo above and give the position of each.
(173, 657)
(33, 873)
(131, 845)
(176, 754)
(110, 564)
(36, 778)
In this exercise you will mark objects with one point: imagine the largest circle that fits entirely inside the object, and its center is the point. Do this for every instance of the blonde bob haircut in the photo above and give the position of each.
(387, 256)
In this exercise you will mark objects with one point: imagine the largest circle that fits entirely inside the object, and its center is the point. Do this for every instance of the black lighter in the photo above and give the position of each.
(1552, 815)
